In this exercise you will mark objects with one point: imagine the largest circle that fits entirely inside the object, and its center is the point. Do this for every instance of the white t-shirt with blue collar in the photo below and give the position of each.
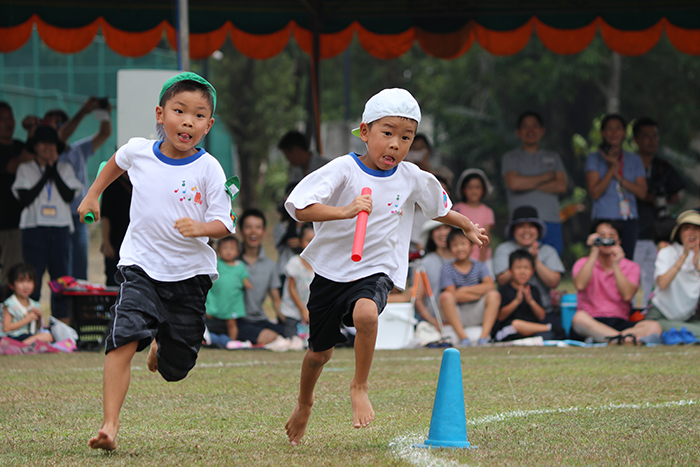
(395, 194)
(165, 190)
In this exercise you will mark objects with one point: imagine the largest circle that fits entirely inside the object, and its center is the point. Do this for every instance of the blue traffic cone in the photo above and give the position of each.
(448, 425)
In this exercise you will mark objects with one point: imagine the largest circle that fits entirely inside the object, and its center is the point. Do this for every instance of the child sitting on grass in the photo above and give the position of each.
(226, 299)
(468, 295)
(521, 311)
(21, 318)
(296, 288)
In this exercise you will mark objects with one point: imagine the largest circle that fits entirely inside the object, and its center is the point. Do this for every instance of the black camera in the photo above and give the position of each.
(605, 147)
(103, 103)
(600, 241)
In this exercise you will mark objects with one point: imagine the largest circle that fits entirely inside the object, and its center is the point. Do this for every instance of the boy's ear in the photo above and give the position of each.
(211, 123)
(159, 114)
(364, 132)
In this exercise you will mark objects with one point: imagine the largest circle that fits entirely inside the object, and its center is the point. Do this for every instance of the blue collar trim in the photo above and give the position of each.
(373, 172)
(170, 161)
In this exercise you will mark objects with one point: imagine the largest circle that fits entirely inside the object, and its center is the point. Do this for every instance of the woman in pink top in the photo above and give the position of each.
(473, 187)
(606, 282)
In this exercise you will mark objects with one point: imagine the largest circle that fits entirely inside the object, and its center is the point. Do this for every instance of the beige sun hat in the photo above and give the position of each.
(687, 217)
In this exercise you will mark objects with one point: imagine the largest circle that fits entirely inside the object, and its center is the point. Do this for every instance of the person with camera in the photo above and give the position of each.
(664, 186)
(77, 154)
(606, 282)
(615, 179)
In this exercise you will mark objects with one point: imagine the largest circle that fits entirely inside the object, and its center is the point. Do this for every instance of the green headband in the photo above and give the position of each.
(189, 76)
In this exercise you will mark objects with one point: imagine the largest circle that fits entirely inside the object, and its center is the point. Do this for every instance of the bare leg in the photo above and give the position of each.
(115, 383)
(152, 359)
(448, 303)
(644, 328)
(232, 329)
(585, 325)
(40, 337)
(311, 369)
(492, 305)
(266, 336)
(365, 315)
(528, 328)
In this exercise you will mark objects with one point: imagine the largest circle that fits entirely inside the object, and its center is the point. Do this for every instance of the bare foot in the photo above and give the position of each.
(362, 412)
(296, 424)
(106, 439)
(152, 359)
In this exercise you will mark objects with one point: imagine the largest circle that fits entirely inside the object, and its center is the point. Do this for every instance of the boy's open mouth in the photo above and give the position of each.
(184, 137)
(388, 160)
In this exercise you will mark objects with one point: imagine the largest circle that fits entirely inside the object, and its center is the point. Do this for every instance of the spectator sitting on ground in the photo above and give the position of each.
(524, 232)
(606, 282)
(302, 161)
(226, 298)
(437, 254)
(468, 295)
(21, 316)
(255, 326)
(677, 276)
(521, 313)
(296, 290)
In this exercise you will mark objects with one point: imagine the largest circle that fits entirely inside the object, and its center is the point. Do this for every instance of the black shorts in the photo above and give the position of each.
(249, 330)
(170, 312)
(617, 324)
(331, 305)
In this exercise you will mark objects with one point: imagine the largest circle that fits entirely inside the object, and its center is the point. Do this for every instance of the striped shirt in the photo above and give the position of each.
(450, 276)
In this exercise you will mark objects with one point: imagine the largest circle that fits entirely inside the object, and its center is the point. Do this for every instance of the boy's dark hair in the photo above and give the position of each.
(454, 233)
(520, 254)
(642, 122)
(5, 105)
(19, 271)
(304, 227)
(612, 223)
(661, 231)
(609, 117)
(191, 86)
(251, 212)
(230, 238)
(59, 114)
(293, 139)
(529, 113)
(422, 136)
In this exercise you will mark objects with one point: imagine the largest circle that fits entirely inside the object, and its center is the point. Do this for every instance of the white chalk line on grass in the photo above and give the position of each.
(403, 446)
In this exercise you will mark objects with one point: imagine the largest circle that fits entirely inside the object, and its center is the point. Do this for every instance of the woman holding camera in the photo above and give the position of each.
(615, 180)
(606, 282)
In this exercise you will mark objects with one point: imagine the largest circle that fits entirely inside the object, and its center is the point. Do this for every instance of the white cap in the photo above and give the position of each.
(394, 102)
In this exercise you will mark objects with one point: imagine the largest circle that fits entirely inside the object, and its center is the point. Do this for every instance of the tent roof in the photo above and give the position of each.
(385, 28)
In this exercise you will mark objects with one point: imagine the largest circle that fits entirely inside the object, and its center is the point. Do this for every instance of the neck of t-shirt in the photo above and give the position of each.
(531, 148)
(464, 265)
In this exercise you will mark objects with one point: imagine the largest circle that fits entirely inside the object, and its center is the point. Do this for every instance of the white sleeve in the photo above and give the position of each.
(123, 156)
(430, 196)
(23, 178)
(318, 187)
(219, 202)
(665, 260)
(68, 175)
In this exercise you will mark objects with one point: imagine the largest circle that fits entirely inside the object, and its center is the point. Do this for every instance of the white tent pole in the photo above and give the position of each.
(183, 35)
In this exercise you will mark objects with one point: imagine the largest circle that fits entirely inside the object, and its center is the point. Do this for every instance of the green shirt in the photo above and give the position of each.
(226, 299)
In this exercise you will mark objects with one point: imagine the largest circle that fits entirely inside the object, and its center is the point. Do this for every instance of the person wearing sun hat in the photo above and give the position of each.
(525, 232)
(45, 187)
(674, 303)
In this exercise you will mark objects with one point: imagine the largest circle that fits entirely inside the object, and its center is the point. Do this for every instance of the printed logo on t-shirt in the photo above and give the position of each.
(444, 199)
(395, 208)
(189, 194)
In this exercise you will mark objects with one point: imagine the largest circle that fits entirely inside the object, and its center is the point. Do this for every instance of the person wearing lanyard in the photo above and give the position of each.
(45, 189)
(615, 178)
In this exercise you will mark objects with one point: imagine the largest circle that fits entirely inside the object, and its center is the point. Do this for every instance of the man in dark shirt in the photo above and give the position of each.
(11, 155)
(664, 185)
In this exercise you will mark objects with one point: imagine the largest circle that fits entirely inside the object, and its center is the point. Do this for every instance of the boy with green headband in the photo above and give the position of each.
(166, 268)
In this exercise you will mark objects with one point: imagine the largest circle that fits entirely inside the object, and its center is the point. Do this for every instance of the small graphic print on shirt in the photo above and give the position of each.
(444, 198)
(395, 208)
(191, 194)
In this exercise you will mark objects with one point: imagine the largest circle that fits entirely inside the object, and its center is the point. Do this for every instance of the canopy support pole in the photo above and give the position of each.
(183, 35)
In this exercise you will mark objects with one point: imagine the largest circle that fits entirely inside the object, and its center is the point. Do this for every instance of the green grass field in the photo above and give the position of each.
(525, 406)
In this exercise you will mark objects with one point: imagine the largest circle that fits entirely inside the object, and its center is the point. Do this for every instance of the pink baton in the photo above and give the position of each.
(358, 242)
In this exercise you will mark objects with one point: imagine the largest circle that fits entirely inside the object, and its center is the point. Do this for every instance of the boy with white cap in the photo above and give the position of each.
(350, 293)
(166, 267)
